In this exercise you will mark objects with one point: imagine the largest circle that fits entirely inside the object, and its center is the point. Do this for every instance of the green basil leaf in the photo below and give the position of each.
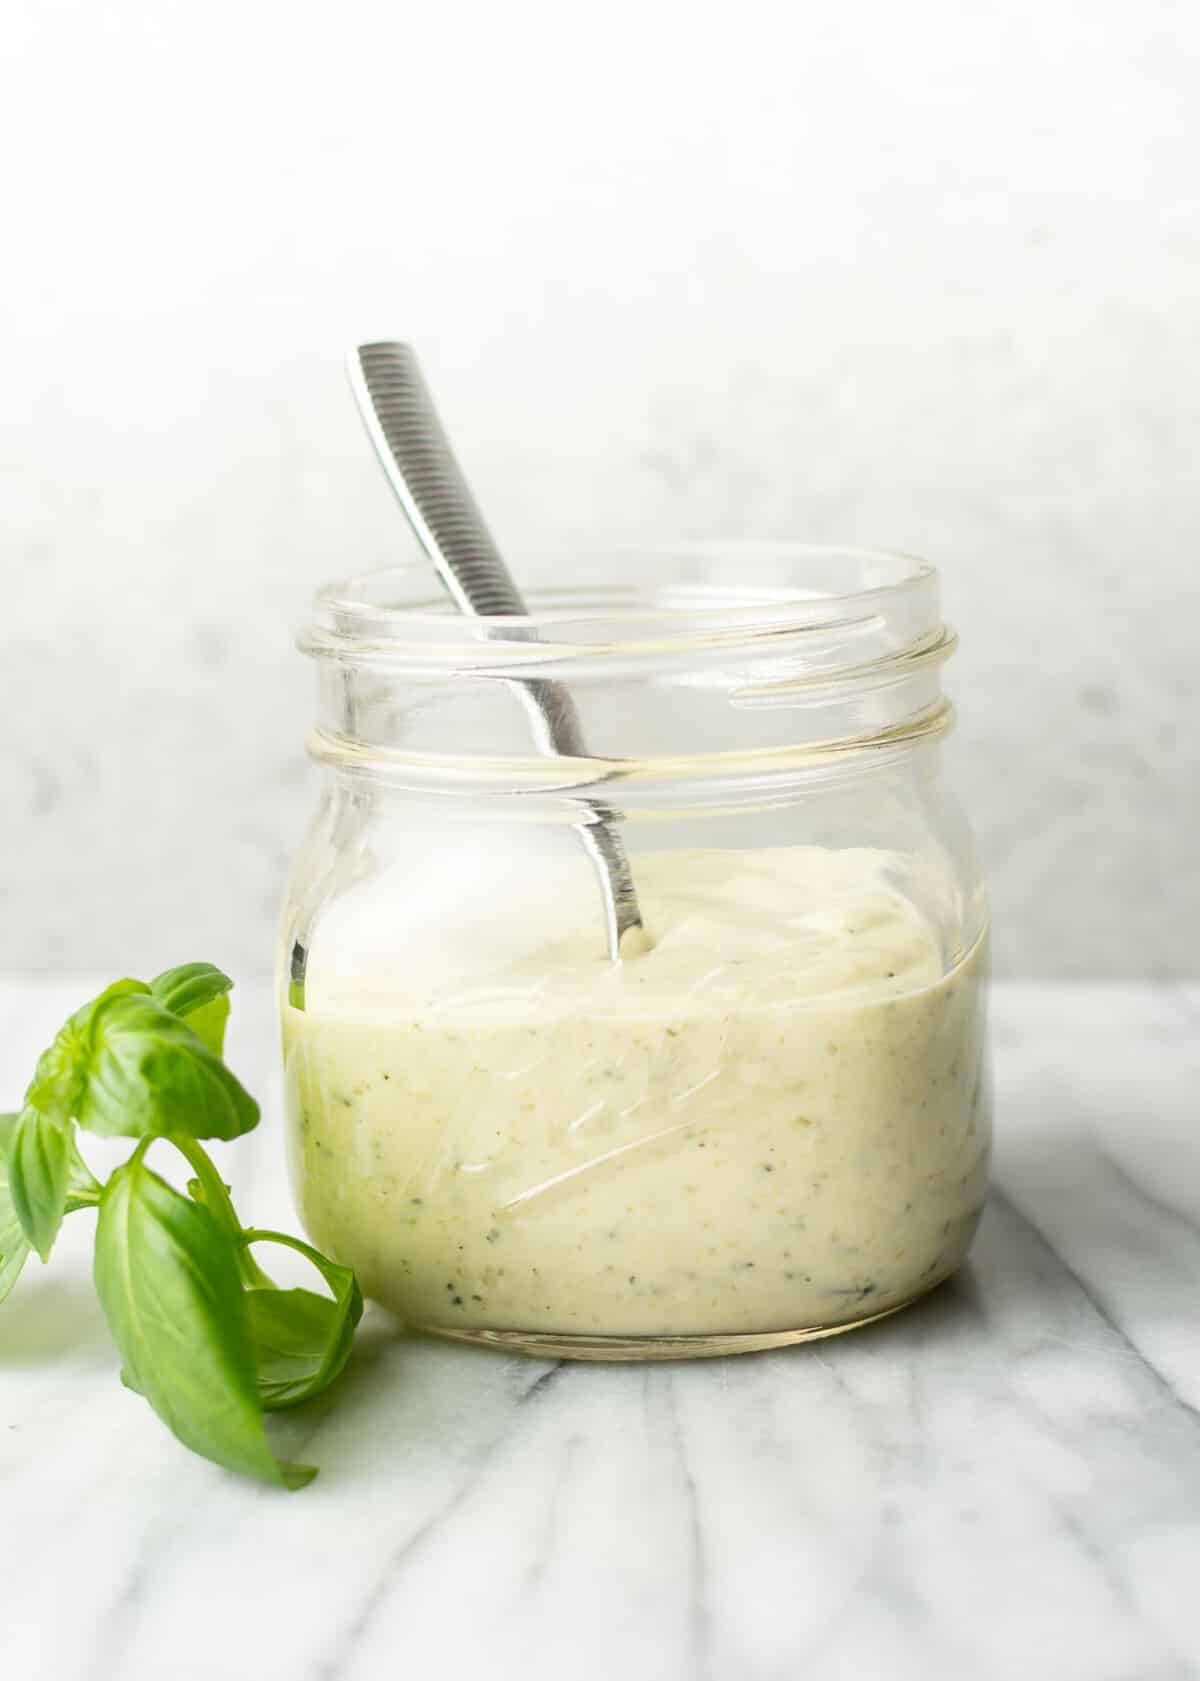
(38, 1172)
(210, 1189)
(149, 1074)
(199, 993)
(208, 1023)
(83, 1191)
(83, 1188)
(189, 987)
(302, 1339)
(58, 1080)
(168, 1282)
(14, 1247)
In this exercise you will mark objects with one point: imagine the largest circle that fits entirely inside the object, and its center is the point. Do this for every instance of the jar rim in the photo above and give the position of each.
(666, 601)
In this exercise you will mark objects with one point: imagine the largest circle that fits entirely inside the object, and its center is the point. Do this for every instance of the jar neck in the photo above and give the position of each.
(697, 683)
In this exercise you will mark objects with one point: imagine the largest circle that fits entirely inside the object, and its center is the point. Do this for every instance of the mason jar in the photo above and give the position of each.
(762, 1119)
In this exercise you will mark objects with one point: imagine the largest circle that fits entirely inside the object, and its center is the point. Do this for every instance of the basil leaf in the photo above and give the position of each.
(301, 1339)
(14, 1251)
(83, 1191)
(149, 1074)
(83, 1188)
(189, 987)
(58, 1080)
(211, 1190)
(199, 993)
(127, 1064)
(208, 1023)
(168, 1282)
(14, 1248)
(38, 1170)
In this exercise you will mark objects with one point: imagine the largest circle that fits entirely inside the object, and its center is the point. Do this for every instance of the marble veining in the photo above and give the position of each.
(1001, 1482)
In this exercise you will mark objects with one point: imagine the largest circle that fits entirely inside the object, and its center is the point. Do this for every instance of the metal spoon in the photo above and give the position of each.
(415, 454)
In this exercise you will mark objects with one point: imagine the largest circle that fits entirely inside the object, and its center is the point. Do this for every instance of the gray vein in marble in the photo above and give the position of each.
(1101, 1561)
(535, 1575)
(1075, 1523)
(156, 1540)
(696, 1658)
(1000, 1199)
(339, 1661)
(1161, 1209)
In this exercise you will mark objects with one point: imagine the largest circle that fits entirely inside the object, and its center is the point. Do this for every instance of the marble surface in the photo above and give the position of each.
(1002, 1482)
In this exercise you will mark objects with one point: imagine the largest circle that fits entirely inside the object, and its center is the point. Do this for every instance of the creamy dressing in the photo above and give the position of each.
(776, 1118)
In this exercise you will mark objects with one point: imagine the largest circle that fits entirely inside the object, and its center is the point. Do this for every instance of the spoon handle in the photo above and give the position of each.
(415, 453)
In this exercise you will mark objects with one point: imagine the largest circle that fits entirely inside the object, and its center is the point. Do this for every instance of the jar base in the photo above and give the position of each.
(555, 1345)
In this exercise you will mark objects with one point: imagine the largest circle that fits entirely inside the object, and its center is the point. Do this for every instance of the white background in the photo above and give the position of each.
(921, 275)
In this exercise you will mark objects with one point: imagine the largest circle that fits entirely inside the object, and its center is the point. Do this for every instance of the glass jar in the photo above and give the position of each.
(770, 1124)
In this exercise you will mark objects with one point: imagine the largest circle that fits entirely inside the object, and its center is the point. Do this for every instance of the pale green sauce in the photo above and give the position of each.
(777, 1117)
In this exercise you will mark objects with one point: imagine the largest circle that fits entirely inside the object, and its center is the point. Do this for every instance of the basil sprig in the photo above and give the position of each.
(14, 1245)
(204, 1333)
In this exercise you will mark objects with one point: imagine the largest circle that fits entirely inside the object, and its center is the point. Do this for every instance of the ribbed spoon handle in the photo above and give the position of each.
(421, 467)
(415, 453)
